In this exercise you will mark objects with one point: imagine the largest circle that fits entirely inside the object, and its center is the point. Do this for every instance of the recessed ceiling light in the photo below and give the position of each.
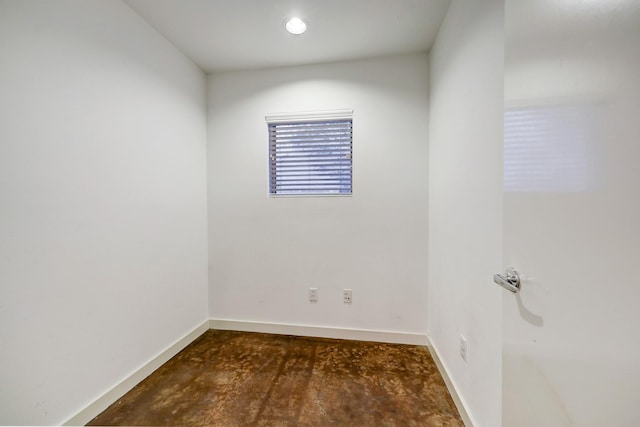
(296, 26)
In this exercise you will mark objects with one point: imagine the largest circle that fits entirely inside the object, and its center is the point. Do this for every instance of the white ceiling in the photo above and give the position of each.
(243, 34)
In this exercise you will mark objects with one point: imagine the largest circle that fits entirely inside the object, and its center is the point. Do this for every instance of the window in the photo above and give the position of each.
(547, 148)
(310, 153)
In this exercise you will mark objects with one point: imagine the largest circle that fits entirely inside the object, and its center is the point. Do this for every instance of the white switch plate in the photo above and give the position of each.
(313, 294)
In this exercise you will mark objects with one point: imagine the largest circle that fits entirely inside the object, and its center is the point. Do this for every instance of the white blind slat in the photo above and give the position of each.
(312, 157)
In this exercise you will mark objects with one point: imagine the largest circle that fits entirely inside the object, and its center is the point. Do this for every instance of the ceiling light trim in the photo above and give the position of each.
(296, 25)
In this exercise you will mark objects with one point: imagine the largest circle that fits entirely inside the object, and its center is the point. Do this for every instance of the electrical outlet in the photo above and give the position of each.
(346, 296)
(313, 294)
(463, 348)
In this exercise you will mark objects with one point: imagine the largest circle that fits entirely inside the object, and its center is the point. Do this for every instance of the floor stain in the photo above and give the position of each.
(228, 378)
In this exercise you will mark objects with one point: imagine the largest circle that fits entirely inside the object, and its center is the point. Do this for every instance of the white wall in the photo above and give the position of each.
(102, 202)
(266, 252)
(572, 341)
(465, 201)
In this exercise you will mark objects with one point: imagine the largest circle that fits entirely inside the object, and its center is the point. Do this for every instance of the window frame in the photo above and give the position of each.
(309, 117)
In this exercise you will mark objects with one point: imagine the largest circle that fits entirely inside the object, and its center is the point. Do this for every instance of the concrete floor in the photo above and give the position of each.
(227, 378)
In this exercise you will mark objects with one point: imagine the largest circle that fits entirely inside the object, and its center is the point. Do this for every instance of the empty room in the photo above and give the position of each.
(319, 212)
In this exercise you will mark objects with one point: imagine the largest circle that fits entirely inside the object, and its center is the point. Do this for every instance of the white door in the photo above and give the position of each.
(571, 340)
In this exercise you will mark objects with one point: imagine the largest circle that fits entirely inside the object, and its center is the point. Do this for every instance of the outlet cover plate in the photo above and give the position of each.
(463, 348)
(347, 296)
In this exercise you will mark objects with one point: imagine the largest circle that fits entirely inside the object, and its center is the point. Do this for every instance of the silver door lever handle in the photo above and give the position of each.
(510, 280)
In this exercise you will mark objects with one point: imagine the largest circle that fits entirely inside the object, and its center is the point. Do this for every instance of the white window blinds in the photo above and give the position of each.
(310, 153)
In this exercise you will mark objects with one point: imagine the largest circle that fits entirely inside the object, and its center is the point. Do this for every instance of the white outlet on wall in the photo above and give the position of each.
(463, 348)
(346, 296)
(313, 294)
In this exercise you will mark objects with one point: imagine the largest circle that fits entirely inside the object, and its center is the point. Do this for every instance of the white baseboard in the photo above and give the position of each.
(464, 414)
(319, 332)
(104, 401)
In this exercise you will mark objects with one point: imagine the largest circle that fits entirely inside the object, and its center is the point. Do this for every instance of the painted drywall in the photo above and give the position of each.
(265, 253)
(571, 213)
(102, 202)
(465, 202)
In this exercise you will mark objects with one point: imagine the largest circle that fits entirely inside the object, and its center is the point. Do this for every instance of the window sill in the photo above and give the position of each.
(300, 196)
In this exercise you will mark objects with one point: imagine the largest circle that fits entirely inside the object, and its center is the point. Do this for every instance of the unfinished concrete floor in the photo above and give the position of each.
(227, 378)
